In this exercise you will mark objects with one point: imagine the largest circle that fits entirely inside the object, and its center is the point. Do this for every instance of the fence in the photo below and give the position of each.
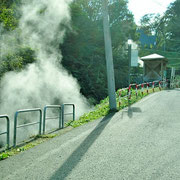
(49, 118)
(63, 114)
(139, 88)
(8, 129)
(28, 124)
(60, 116)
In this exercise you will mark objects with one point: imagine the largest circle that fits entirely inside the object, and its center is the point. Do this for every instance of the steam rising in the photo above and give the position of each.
(45, 82)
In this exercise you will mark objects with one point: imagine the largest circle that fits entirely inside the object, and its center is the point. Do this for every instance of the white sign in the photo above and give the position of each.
(134, 57)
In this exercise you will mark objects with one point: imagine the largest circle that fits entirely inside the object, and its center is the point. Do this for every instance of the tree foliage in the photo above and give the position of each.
(83, 47)
(17, 60)
(7, 18)
(19, 56)
(172, 23)
(165, 27)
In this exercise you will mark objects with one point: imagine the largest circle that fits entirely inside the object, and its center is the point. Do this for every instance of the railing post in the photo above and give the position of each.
(62, 113)
(8, 131)
(44, 120)
(6, 117)
(153, 86)
(73, 112)
(60, 118)
(136, 91)
(15, 126)
(119, 98)
(142, 89)
(147, 86)
(160, 85)
(40, 121)
(129, 92)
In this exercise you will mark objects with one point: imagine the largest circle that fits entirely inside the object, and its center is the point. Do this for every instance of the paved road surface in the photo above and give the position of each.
(141, 142)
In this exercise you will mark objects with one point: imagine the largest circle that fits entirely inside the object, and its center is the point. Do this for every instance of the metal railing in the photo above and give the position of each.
(63, 114)
(28, 124)
(49, 118)
(126, 93)
(8, 128)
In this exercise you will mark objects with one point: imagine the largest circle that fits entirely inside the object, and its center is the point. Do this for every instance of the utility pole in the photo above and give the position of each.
(109, 58)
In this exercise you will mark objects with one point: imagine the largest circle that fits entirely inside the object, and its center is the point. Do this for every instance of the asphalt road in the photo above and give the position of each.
(140, 142)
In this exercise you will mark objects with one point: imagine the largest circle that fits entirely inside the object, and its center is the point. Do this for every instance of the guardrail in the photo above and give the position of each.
(49, 118)
(61, 118)
(28, 124)
(63, 114)
(8, 129)
(144, 87)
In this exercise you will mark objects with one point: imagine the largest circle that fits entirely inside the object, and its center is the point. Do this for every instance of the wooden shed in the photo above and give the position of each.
(154, 67)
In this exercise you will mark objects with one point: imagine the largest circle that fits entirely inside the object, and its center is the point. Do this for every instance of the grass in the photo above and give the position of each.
(37, 140)
(99, 111)
(103, 109)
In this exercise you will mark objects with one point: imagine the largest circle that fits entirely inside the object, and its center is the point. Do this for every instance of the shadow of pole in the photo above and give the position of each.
(130, 112)
(76, 156)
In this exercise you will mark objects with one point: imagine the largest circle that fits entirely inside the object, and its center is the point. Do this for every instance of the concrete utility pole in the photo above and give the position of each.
(109, 57)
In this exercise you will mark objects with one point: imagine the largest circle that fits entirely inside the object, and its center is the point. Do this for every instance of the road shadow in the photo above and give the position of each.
(130, 111)
(77, 155)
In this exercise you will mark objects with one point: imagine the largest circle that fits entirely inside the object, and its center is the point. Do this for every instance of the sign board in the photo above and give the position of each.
(134, 57)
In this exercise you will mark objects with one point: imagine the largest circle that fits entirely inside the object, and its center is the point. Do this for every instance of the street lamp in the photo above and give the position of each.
(129, 60)
(109, 58)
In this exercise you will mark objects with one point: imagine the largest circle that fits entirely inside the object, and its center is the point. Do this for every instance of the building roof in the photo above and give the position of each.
(153, 57)
(146, 40)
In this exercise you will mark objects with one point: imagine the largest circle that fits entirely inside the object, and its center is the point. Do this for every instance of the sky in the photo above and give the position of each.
(141, 7)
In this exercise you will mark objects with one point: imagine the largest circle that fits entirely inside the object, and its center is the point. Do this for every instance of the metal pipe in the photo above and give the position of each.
(29, 124)
(25, 125)
(8, 129)
(63, 114)
(46, 118)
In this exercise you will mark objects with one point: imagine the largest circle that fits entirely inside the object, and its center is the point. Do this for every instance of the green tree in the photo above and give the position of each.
(165, 27)
(149, 23)
(172, 23)
(83, 48)
(16, 61)
(7, 18)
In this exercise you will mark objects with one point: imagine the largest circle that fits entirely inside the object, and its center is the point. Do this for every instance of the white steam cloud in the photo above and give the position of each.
(42, 27)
